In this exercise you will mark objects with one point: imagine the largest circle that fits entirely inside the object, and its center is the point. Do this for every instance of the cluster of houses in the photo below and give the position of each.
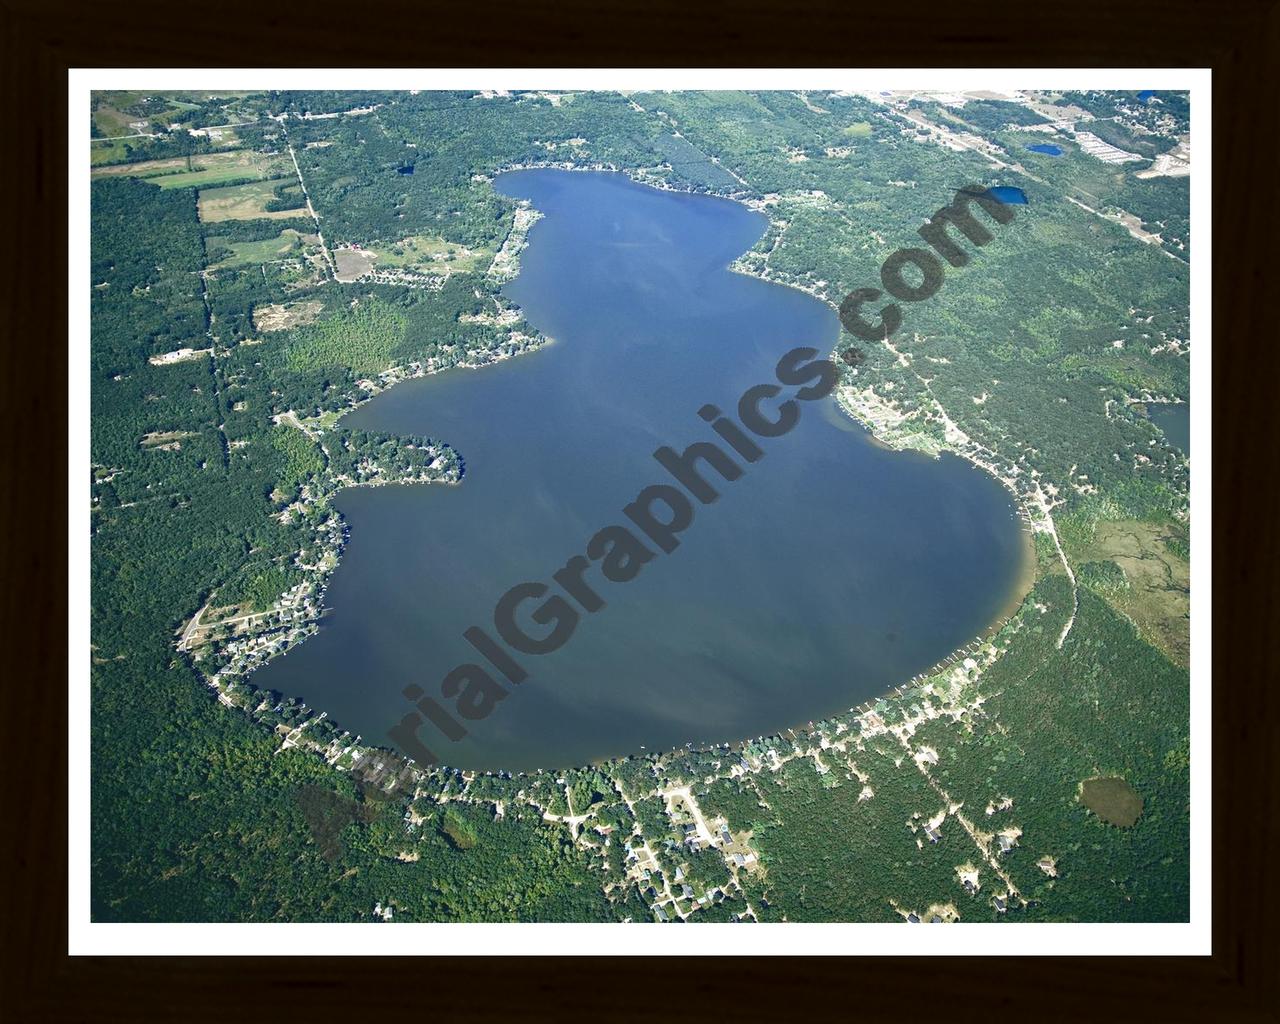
(676, 898)
(671, 894)
(293, 617)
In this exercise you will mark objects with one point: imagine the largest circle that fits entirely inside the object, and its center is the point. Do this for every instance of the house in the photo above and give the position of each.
(1000, 904)
(914, 918)
(686, 892)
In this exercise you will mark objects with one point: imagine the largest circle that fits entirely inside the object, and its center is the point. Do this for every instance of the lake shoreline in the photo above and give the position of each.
(1026, 574)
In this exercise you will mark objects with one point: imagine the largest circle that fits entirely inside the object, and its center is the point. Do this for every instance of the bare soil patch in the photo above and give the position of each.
(282, 316)
(351, 264)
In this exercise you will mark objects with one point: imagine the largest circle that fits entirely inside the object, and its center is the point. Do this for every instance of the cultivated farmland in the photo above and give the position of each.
(201, 169)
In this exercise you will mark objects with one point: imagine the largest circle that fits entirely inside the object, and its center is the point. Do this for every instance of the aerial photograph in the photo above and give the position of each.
(651, 507)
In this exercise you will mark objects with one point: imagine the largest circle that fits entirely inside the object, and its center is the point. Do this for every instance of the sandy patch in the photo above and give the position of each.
(282, 316)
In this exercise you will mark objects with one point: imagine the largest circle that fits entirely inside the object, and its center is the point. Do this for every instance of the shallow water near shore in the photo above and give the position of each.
(829, 572)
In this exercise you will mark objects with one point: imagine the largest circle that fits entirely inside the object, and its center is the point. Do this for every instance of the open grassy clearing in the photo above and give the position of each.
(111, 120)
(151, 168)
(1156, 588)
(351, 264)
(243, 202)
(101, 152)
(164, 438)
(241, 160)
(427, 253)
(245, 164)
(263, 251)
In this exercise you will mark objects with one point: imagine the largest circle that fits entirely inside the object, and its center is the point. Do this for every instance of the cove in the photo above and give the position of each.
(832, 570)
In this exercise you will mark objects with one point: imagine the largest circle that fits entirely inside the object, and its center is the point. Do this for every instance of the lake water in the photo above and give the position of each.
(1174, 420)
(1048, 149)
(830, 571)
(1009, 194)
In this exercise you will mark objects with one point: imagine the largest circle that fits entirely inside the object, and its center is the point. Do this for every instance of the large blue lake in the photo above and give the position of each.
(829, 572)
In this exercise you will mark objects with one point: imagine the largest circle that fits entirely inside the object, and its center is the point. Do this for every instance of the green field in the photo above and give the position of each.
(107, 152)
(196, 171)
(426, 252)
(259, 167)
(264, 251)
(155, 168)
(183, 167)
(242, 202)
